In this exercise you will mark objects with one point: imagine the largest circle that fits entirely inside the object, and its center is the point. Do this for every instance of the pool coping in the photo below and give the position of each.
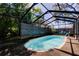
(65, 39)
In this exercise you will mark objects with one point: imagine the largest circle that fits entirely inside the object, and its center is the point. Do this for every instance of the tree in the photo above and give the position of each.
(10, 15)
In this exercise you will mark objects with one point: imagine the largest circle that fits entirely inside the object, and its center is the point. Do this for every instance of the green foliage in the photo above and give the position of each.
(9, 20)
(36, 10)
(28, 18)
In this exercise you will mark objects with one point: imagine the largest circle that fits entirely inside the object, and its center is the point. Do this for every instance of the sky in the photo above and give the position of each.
(48, 15)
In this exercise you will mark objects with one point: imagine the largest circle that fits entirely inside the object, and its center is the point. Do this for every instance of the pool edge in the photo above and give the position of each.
(65, 39)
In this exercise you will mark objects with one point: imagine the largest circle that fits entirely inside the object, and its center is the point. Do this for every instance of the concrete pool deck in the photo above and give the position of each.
(71, 48)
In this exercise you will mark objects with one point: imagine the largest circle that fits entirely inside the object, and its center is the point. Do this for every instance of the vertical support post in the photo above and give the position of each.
(78, 30)
(75, 29)
(58, 27)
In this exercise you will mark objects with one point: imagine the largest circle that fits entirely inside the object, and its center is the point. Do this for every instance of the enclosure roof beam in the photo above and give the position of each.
(46, 8)
(60, 17)
(61, 20)
(40, 16)
(66, 20)
(71, 7)
(58, 11)
(49, 12)
(65, 17)
(47, 20)
(28, 10)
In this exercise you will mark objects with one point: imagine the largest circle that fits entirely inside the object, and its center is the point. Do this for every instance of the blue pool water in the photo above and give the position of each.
(44, 43)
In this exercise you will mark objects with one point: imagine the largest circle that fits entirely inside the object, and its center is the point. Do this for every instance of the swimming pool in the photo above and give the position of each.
(45, 43)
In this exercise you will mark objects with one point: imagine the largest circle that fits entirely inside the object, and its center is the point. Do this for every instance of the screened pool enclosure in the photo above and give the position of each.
(21, 22)
(58, 18)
